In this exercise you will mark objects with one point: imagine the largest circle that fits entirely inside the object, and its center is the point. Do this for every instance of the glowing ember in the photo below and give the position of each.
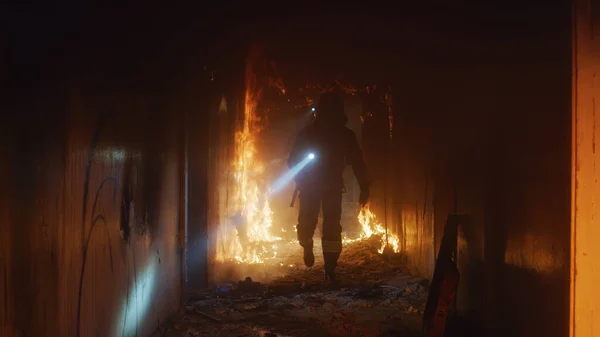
(255, 243)
(371, 226)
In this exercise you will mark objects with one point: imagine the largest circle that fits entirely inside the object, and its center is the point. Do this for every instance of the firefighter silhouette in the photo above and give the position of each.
(320, 183)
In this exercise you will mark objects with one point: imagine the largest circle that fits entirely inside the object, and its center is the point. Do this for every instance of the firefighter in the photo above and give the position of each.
(331, 146)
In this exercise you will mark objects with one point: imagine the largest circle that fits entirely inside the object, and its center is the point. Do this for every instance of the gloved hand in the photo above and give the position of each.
(364, 197)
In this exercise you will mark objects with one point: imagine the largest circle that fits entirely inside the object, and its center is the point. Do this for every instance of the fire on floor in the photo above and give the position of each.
(378, 296)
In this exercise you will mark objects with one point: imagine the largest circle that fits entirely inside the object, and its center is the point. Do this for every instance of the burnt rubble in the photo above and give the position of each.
(379, 296)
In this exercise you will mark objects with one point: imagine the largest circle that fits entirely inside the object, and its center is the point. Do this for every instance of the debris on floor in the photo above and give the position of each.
(378, 296)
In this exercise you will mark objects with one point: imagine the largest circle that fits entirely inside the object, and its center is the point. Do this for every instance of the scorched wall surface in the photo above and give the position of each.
(90, 219)
(482, 126)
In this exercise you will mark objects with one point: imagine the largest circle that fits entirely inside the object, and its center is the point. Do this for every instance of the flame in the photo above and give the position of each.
(255, 243)
(372, 227)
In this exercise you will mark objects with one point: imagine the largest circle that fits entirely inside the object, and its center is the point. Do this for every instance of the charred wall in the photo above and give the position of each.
(376, 145)
(91, 235)
(94, 163)
(482, 127)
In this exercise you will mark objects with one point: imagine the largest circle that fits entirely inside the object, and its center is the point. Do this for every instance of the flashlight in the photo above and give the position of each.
(289, 175)
(313, 109)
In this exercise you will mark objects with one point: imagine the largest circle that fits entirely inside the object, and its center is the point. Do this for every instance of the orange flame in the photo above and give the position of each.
(370, 227)
(256, 245)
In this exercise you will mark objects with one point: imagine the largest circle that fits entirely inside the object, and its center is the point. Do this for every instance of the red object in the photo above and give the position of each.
(444, 284)
(444, 303)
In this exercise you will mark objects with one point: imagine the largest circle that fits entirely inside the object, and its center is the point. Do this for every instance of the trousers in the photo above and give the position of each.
(312, 199)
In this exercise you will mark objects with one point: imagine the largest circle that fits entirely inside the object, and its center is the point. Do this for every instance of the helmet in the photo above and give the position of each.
(330, 109)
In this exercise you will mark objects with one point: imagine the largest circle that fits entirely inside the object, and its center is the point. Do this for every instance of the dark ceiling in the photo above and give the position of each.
(317, 42)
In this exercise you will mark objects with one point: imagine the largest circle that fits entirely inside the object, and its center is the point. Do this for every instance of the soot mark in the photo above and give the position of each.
(127, 198)
(95, 218)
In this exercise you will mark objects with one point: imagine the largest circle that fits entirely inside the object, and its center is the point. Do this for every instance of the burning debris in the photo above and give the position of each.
(372, 228)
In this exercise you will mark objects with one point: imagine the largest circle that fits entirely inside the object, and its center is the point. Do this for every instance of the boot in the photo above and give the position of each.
(330, 260)
(309, 257)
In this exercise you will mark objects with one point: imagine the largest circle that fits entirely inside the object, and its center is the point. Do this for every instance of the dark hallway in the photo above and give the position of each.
(147, 190)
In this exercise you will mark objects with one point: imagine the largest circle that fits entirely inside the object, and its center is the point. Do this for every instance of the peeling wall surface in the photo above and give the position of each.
(482, 127)
(586, 228)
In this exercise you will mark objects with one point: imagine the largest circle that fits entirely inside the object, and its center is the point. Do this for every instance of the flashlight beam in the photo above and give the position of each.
(285, 179)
